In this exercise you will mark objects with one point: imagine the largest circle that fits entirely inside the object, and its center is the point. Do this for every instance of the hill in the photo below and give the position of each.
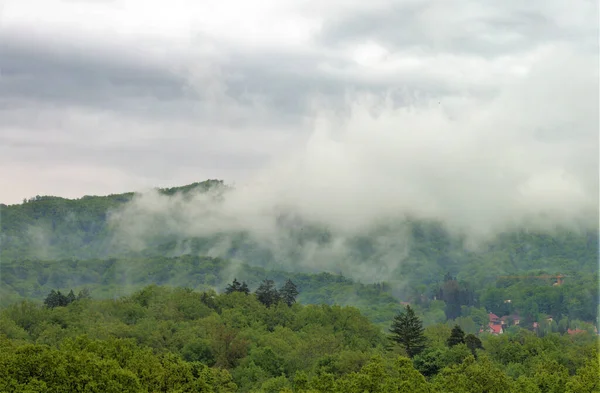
(111, 278)
(117, 243)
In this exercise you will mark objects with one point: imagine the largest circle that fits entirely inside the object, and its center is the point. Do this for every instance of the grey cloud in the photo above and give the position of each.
(70, 78)
(64, 78)
(453, 142)
(284, 83)
(483, 28)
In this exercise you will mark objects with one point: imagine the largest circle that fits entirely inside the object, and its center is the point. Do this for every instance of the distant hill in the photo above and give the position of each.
(413, 255)
(50, 227)
(111, 278)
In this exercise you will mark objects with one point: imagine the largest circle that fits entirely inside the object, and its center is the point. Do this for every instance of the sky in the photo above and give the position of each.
(467, 110)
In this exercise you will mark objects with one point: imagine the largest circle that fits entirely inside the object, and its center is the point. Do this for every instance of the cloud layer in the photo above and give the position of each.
(482, 115)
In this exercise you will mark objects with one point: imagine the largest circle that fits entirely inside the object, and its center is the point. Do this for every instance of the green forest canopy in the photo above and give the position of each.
(172, 340)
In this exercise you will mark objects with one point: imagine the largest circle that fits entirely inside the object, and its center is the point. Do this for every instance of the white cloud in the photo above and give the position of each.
(482, 113)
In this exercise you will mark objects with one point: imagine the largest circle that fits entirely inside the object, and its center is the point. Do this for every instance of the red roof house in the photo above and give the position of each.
(495, 329)
(494, 318)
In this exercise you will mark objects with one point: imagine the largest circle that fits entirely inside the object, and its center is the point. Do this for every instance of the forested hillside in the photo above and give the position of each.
(174, 340)
(116, 277)
(55, 243)
(156, 310)
(51, 228)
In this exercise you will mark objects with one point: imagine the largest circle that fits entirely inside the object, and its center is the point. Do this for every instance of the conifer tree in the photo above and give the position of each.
(84, 294)
(289, 292)
(71, 297)
(407, 330)
(62, 299)
(457, 336)
(267, 294)
(235, 286)
(52, 300)
(473, 343)
(56, 299)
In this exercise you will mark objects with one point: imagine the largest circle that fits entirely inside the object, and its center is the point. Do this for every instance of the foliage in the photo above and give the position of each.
(267, 294)
(177, 339)
(102, 279)
(457, 336)
(161, 307)
(473, 343)
(407, 330)
(288, 292)
(236, 286)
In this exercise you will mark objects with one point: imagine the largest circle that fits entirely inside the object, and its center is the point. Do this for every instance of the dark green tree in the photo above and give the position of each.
(455, 295)
(235, 286)
(63, 301)
(267, 294)
(56, 299)
(473, 343)
(84, 294)
(289, 292)
(407, 330)
(457, 336)
(52, 299)
(71, 297)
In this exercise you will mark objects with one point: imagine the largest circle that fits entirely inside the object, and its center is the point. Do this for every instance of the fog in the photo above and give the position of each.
(525, 158)
(331, 122)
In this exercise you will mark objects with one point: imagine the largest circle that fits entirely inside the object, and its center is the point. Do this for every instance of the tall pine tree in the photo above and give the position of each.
(457, 336)
(71, 297)
(289, 292)
(407, 330)
(473, 343)
(236, 286)
(267, 294)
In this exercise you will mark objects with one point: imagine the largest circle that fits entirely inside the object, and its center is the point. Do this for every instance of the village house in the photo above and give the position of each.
(495, 324)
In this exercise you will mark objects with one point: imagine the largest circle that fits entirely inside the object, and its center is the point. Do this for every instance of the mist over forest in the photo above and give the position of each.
(402, 196)
(153, 278)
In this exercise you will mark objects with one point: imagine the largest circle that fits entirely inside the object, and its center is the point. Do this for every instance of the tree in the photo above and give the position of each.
(84, 294)
(267, 294)
(457, 336)
(473, 342)
(407, 330)
(455, 295)
(52, 300)
(289, 292)
(56, 299)
(70, 297)
(236, 286)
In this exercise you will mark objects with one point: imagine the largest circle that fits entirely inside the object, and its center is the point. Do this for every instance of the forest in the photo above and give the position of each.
(176, 340)
(81, 309)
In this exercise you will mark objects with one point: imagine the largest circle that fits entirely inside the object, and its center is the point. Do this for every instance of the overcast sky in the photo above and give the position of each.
(464, 102)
